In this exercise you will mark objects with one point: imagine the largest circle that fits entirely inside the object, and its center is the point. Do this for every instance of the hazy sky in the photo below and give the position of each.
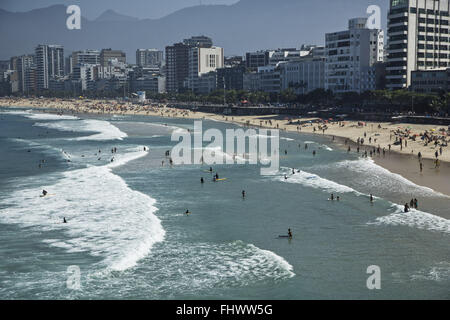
(93, 8)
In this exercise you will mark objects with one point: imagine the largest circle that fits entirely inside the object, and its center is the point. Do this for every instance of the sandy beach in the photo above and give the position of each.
(395, 146)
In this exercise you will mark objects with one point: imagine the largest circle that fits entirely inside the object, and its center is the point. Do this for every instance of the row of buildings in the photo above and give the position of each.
(415, 56)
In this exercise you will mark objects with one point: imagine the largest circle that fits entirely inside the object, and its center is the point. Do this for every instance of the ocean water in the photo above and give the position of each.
(128, 234)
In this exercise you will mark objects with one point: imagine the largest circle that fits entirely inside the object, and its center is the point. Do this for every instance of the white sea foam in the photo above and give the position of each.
(201, 266)
(414, 219)
(104, 129)
(380, 178)
(313, 180)
(105, 217)
(45, 147)
(40, 116)
(439, 272)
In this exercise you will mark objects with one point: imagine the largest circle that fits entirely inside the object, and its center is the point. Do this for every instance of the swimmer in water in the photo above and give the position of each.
(243, 193)
(289, 233)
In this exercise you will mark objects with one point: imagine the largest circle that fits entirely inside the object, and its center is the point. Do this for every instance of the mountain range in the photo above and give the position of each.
(244, 26)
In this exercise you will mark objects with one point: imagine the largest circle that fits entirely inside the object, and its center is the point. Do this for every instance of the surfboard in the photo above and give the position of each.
(221, 179)
(284, 237)
(47, 195)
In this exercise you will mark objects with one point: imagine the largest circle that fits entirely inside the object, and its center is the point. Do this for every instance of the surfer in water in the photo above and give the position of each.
(243, 193)
(64, 220)
(371, 198)
(187, 212)
(289, 233)
(44, 193)
(201, 180)
(332, 197)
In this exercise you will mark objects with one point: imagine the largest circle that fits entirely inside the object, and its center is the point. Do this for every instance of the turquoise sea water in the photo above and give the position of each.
(128, 234)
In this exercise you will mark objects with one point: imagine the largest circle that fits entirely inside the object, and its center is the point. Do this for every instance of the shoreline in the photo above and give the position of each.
(396, 161)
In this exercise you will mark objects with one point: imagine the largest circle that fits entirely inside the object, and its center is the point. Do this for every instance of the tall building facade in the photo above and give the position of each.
(107, 55)
(351, 56)
(85, 57)
(49, 60)
(177, 61)
(253, 60)
(305, 75)
(149, 58)
(418, 32)
(24, 65)
(199, 41)
(177, 67)
(201, 62)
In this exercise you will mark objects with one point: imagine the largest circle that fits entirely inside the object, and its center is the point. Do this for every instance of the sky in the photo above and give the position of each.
(91, 9)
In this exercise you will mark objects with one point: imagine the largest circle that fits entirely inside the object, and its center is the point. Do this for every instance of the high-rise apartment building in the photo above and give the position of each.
(177, 61)
(49, 60)
(199, 41)
(177, 66)
(85, 57)
(107, 55)
(152, 58)
(418, 32)
(351, 56)
(24, 65)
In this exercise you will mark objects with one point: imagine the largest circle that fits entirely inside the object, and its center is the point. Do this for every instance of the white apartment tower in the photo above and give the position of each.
(202, 61)
(351, 57)
(418, 32)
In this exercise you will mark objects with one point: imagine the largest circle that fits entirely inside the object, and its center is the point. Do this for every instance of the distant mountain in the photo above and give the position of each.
(111, 15)
(246, 25)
